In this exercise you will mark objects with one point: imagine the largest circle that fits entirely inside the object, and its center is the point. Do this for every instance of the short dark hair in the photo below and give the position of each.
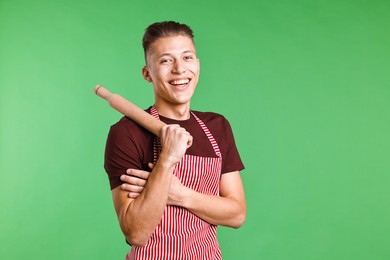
(159, 30)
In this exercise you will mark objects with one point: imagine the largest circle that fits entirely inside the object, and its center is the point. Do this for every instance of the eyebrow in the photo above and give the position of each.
(170, 54)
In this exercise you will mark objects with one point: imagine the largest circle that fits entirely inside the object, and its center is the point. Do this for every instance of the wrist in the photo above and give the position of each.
(183, 198)
(165, 163)
(167, 160)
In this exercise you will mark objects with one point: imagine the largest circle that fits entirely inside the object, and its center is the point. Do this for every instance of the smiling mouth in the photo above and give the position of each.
(179, 82)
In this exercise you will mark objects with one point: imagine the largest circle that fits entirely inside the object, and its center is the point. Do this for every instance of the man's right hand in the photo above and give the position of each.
(139, 215)
(174, 141)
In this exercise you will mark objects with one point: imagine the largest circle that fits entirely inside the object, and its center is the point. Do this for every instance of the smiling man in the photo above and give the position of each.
(170, 194)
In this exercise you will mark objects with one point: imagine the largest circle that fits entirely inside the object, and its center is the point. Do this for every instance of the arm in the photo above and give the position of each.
(228, 209)
(138, 217)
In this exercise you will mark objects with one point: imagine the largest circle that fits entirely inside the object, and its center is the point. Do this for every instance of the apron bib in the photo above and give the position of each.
(181, 235)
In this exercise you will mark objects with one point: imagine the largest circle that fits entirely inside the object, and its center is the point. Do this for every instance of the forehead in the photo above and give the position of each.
(172, 45)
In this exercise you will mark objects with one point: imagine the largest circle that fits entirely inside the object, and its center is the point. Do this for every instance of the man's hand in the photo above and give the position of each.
(176, 192)
(140, 210)
(135, 181)
(174, 141)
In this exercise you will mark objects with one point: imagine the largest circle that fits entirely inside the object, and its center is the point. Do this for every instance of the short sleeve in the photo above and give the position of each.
(231, 160)
(120, 154)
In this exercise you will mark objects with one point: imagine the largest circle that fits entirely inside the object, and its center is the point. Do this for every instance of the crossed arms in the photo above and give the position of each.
(140, 202)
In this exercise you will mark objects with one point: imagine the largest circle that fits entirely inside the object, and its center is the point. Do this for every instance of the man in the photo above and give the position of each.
(194, 184)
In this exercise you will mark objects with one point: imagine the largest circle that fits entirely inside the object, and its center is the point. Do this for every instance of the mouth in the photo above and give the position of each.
(180, 83)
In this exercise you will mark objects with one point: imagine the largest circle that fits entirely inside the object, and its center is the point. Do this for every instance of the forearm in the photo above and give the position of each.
(139, 217)
(228, 209)
(216, 210)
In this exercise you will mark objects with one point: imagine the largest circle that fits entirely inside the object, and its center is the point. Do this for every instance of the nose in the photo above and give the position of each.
(178, 67)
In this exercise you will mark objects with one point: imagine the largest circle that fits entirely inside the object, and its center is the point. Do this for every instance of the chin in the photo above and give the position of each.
(183, 100)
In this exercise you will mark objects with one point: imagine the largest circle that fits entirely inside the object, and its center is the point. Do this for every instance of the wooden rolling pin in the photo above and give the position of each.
(130, 110)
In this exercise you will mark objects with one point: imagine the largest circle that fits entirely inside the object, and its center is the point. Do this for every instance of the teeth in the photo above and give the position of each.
(180, 82)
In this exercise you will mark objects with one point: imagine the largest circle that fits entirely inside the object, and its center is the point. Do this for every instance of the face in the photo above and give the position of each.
(173, 69)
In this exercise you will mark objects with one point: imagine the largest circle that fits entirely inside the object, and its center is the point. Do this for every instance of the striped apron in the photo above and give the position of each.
(181, 235)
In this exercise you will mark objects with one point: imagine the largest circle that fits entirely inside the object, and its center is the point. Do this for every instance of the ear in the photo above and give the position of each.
(145, 74)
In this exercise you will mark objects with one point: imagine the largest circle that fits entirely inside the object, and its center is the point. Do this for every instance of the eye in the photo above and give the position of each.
(188, 58)
(165, 61)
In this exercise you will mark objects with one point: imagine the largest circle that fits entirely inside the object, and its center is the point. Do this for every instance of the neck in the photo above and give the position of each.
(178, 112)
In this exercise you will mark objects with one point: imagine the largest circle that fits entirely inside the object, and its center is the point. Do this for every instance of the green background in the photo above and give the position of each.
(305, 85)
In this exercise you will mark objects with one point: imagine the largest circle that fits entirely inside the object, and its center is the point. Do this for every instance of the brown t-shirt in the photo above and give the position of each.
(131, 146)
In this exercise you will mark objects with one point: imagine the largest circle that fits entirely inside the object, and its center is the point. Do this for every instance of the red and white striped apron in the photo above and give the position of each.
(181, 235)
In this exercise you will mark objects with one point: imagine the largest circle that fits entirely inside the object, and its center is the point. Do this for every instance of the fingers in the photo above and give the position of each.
(180, 132)
(134, 190)
(138, 173)
(176, 191)
(176, 130)
(151, 165)
(135, 181)
(174, 141)
(189, 142)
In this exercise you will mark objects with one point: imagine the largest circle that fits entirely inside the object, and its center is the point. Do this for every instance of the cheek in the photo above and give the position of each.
(194, 68)
(157, 75)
